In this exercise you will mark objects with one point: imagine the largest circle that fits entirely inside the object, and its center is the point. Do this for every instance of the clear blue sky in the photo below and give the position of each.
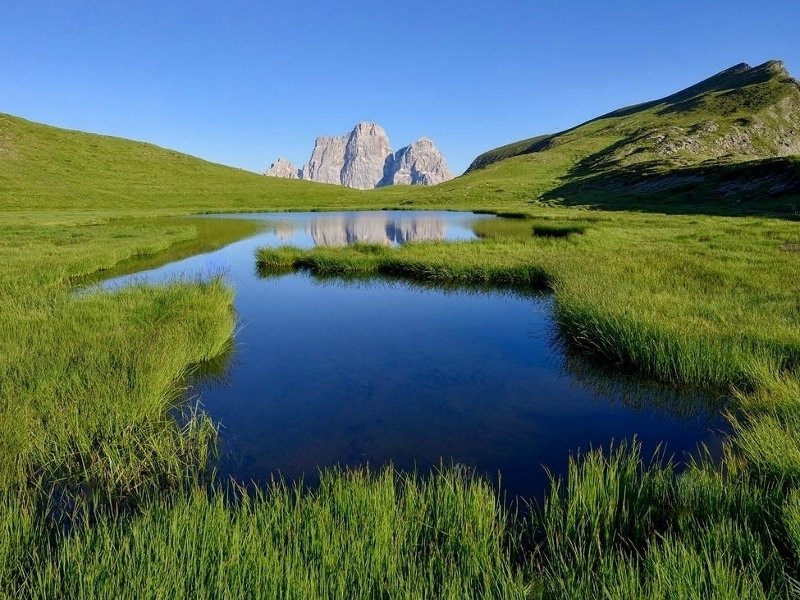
(243, 82)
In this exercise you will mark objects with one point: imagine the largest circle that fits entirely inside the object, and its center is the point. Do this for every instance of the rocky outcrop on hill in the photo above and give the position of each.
(363, 159)
(283, 168)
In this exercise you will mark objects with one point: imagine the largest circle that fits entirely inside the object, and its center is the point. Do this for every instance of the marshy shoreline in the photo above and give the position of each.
(615, 514)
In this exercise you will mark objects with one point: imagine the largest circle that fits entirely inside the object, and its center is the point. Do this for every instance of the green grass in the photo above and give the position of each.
(616, 527)
(51, 169)
(87, 384)
(103, 493)
(725, 318)
(624, 527)
(359, 535)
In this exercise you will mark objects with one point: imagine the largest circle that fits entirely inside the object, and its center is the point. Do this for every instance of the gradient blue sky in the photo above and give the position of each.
(243, 82)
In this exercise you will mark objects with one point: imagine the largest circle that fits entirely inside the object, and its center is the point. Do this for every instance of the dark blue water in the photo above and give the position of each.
(339, 373)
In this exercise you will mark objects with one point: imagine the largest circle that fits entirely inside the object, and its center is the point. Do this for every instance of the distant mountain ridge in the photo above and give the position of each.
(364, 159)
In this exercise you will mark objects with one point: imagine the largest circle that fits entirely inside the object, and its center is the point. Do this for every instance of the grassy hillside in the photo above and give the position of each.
(727, 144)
(43, 167)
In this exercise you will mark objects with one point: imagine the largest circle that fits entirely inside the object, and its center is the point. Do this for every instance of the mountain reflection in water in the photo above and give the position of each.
(345, 230)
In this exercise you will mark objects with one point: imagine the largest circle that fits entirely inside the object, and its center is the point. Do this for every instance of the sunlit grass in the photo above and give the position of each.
(359, 535)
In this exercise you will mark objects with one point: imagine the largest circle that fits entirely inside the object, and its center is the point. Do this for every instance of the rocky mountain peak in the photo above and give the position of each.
(364, 159)
(365, 156)
(326, 160)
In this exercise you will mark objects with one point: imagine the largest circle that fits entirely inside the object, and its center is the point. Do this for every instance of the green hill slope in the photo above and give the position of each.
(728, 140)
(43, 167)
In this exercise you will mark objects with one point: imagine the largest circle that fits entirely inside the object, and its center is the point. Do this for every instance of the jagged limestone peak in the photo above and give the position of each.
(364, 159)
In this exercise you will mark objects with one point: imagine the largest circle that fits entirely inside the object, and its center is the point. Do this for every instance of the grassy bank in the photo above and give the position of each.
(87, 379)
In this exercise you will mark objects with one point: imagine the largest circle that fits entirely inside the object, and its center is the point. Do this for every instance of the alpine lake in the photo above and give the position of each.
(329, 372)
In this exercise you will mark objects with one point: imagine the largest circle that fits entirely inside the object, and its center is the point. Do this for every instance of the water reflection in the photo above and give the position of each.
(635, 391)
(344, 229)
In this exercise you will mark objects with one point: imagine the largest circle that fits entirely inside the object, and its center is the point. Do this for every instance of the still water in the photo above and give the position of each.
(331, 372)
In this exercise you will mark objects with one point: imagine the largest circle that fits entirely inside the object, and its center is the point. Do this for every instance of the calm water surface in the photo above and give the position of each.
(329, 372)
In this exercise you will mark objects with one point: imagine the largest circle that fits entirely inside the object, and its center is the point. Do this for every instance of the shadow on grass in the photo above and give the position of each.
(769, 187)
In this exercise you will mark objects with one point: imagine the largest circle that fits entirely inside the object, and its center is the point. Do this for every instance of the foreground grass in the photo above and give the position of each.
(359, 535)
(68, 427)
(619, 526)
(87, 380)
